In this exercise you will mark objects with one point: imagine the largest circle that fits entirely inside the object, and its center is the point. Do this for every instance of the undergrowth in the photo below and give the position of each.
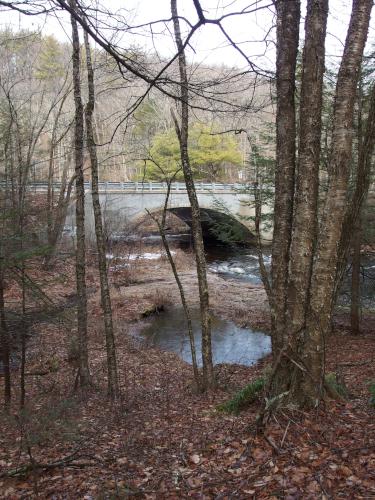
(250, 393)
(242, 398)
(372, 393)
(338, 386)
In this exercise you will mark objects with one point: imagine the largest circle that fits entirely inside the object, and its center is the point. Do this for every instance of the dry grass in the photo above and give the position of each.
(184, 260)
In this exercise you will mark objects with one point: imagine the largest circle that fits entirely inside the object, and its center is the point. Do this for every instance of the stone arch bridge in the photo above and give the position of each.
(226, 205)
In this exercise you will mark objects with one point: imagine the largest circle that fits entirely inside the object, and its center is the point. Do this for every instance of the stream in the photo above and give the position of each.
(242, 264)
(230, 343)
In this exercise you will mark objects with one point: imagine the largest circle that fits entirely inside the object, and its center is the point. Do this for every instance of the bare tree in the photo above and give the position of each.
(83, 370)
(100, 240)
(161, 227)
(57, 210)
(4, 338)
(182, 131)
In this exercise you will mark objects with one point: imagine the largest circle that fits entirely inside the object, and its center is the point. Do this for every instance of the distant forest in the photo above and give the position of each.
(133, 128)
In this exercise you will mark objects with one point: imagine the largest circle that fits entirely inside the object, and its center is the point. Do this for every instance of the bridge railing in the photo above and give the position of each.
(145, 186)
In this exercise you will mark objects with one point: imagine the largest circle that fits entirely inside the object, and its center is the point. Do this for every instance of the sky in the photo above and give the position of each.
(208, 46)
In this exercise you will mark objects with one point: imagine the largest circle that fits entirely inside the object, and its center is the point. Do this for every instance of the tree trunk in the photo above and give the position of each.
(5, 342)
(84, 373)
(305, 261)
(183, 132)
(288, 15)
(161, 227)
(306, 198)
(325, 264)
(362, 184)
(355, 295)
(113, 388)
(23, 340)
(306, 194)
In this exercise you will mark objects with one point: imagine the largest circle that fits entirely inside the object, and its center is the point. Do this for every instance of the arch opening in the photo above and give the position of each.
(217, 227)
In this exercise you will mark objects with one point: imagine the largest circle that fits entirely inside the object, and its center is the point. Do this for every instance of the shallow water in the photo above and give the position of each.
(230, 343)
(241, 264)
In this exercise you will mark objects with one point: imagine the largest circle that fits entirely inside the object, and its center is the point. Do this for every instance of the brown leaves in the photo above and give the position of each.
(162, 440)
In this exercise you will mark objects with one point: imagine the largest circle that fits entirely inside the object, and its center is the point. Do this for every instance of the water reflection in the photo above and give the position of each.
(230, 343)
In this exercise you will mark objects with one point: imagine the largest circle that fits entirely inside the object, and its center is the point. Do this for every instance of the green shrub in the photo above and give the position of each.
(243, 398)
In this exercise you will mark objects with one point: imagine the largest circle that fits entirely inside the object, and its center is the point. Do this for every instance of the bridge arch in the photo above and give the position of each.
(217, 226)
(124, 205)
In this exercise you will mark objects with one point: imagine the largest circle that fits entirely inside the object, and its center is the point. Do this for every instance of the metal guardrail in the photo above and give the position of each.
(147, 186)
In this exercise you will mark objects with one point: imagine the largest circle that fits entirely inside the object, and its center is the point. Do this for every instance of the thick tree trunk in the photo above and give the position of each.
(306, 192)
(362, 184)
(306, 197)
(288, 18)
(326, 261)
(84, 374)
(183, 131)
(113, 388)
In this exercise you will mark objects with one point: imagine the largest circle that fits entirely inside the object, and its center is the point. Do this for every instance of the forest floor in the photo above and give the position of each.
(162, 440)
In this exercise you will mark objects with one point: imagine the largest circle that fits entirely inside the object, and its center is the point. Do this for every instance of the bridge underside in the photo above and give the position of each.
(217, 226)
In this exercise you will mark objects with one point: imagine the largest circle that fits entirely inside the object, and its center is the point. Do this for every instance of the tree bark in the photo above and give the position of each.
(161, 227)
(355, 295)
(84, 373)
(288, 18)
(5, 342)
(183, 132)
(326, 261)
(362, 184)
(306, 197)
(112, 375)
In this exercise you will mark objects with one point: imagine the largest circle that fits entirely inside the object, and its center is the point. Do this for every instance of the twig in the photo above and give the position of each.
(37, 374)
(272, 443)
(302, 368)
(360, 363)
(285, 433)
(33, 466)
